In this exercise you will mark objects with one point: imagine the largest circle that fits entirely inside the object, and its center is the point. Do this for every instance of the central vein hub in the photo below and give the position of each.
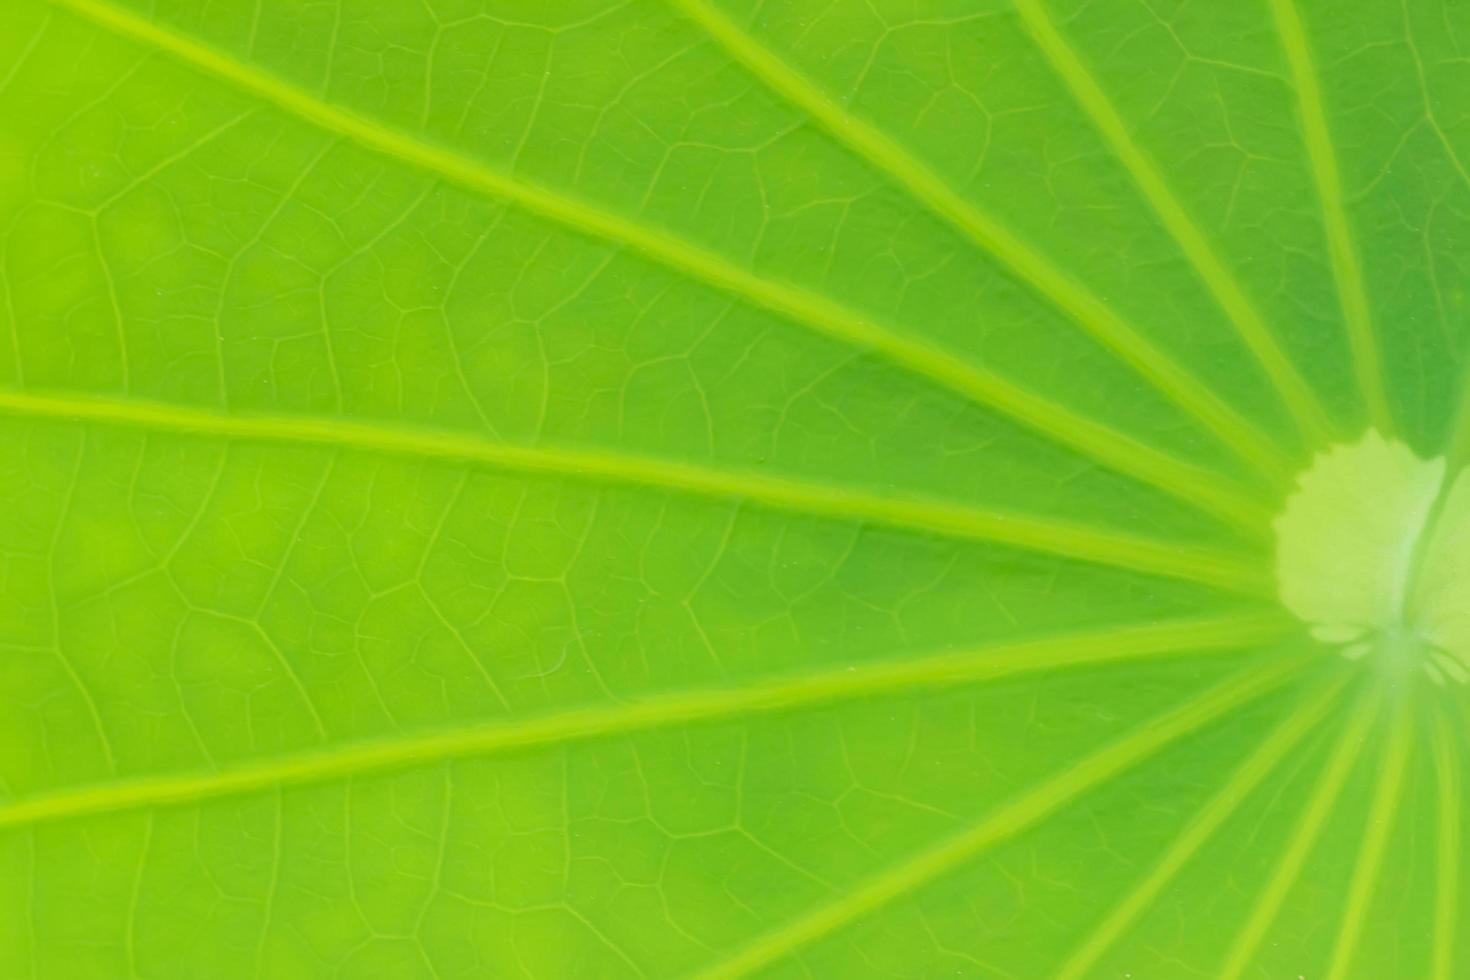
(1373, 550)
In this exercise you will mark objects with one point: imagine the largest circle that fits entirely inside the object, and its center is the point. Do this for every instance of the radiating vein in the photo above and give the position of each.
(1448, 867)
(930, 516)
(1025, 811)
(1113, 449)
(1382, 811)
(945, 670)
(1047, 280)
(1302, 721)
(1309, 826)
(1352, 293)
(1257, 335)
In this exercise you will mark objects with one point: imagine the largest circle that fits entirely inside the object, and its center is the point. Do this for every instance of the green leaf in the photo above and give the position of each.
(726, 488)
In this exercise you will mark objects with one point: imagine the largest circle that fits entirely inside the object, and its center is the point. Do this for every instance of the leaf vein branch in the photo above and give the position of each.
(1309, 827)
(1011, 819)
(1275, 748)
(1105, 645)
(1209, 491)
(1352, 292)
(1382, 810)
(1027, 264)
(941, 518)
(1251, 326)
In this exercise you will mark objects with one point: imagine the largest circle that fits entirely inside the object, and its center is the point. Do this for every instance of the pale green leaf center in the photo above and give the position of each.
(1372, 549)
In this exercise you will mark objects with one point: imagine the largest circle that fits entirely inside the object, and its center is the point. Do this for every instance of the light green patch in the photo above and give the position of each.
(1372, 552)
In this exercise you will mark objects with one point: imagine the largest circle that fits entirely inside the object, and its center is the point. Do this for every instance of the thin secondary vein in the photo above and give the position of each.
(1010, 819)
(1351, 291)
(1262, 762)
(1382, 811)
(1093, 647)
(1058, 288)
(1070, 540)
(1309, 826)
(1293, 389)
(1209, 491)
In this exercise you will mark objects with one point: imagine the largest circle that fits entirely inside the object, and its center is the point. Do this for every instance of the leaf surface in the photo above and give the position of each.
(716, 488)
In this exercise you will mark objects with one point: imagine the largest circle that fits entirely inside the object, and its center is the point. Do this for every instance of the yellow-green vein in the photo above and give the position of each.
(1448, 867)
(1319, 807)
(938, 517)
(1352, 293)
(1010, 819)
(1030, 266)
(1382, 811)
(946, 670)
(1208, 491)
(1302, 721)
(1257, 335)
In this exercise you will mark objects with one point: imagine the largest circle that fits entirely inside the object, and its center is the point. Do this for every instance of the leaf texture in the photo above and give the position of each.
(716, 488)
